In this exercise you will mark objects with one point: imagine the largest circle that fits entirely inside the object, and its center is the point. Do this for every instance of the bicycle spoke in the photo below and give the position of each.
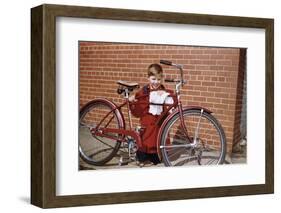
(211, 161)
(84, 125)
(103, 142)
(109, 121)
(176, 152)
(187, 160)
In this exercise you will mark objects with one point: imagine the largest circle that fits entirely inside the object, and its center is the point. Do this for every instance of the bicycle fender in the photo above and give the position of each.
(160, 133)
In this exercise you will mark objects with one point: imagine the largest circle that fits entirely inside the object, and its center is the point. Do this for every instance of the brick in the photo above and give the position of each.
(210, 51)
(170, 52)
(208, 83)
(197, 51)
(202, 67)
(222, 84)
(202, 56)
(198, 98)
(216, 67)
(224, 62)
(226, 51)
(215, 57)
(177, 57)
(213, 100)
(230, 68)
(194, 93)
(184, 52)
(195, 83)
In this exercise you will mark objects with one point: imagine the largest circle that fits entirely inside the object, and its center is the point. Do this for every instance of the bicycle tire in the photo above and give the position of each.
(94, 155)
(166, 144)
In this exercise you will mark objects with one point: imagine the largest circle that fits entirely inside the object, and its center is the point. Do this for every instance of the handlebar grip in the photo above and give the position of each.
(172, 80)
(166, 62)
(169, 80)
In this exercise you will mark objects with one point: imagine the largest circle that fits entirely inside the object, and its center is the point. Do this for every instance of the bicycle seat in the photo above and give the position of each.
(131, 85)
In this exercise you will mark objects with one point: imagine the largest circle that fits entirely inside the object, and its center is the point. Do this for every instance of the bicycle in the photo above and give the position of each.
(187, 135)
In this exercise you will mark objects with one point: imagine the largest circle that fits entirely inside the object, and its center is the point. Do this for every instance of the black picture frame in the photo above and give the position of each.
(43, 105)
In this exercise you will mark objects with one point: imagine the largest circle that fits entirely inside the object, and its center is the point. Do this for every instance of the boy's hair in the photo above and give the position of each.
(155, 70)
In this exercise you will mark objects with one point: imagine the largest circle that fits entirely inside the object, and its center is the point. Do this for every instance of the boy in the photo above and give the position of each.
(143, 110)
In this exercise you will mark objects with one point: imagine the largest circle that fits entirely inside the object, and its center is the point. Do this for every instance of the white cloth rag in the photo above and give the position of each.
(156, 98)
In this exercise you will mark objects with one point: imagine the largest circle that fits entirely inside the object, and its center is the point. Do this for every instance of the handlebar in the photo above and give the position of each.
(174, 81)
(179, 66)
(169, 63)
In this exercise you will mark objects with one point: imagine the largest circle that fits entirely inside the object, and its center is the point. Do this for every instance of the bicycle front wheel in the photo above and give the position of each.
(94, 149)
(204, 145)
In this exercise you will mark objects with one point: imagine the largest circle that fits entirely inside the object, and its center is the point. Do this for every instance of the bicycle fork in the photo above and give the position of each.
(197, 128)
(196, 133)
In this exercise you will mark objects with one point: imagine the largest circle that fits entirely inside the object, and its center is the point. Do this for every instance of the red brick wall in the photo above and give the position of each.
(213, 76)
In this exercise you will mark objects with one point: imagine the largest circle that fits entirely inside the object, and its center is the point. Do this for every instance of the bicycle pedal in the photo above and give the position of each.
(123, 163)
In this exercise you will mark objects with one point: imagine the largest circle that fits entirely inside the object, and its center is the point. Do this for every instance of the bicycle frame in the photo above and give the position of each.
(105, 132)
(161, 121)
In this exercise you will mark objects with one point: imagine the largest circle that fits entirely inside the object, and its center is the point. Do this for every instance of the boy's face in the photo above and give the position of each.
(154, 81)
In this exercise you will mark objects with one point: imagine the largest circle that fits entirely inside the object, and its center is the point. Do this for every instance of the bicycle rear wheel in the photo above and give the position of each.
(205, 144)
(93, 149)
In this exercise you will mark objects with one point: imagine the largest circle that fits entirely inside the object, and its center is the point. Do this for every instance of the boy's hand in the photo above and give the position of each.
(132, 98)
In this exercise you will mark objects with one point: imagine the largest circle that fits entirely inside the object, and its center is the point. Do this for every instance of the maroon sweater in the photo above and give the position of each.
(140, 109)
